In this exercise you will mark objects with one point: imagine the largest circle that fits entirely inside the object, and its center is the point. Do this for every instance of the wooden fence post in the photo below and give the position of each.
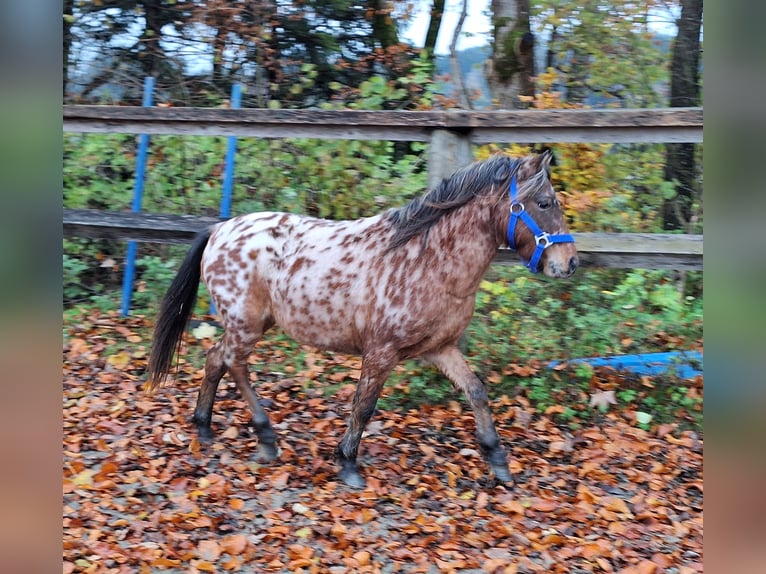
(448, 152)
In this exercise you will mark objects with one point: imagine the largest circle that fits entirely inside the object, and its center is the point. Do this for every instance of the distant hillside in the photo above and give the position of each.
(471, 63)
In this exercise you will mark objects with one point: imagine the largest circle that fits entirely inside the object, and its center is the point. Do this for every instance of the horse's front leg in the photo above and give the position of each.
(451, 362)
(376, 367)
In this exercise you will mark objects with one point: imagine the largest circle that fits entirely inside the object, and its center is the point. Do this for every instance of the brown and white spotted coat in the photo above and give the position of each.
(356, 287)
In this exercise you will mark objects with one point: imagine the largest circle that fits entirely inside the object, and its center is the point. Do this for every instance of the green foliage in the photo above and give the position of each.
(521, 317)
(593, 42)
(604, 187)
(73, 268)
(335, 179)
(98, 170)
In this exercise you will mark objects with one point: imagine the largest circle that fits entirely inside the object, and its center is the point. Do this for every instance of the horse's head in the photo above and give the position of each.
(535, 225)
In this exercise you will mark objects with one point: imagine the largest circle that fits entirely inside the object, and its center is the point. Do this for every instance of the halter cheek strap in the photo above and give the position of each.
(543, 239)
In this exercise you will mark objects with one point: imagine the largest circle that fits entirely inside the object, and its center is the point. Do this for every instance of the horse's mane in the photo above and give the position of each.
(479, 178)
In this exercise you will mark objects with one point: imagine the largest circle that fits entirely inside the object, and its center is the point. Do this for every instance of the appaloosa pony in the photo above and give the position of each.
(398, 285)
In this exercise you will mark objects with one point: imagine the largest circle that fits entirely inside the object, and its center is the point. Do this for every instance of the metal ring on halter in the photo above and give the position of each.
(519, 205)
(545, 239)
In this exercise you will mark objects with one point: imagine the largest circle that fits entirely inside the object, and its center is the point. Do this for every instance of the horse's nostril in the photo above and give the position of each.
(573, 263)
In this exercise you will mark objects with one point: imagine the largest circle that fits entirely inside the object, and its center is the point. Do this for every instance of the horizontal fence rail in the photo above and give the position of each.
(619, 250)
(656, 125)
(450, 133)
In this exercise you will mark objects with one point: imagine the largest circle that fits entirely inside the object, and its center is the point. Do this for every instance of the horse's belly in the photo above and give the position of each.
(325, 334)
(319, 317)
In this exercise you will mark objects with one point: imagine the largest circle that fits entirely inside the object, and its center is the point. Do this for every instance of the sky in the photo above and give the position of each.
(477, 26)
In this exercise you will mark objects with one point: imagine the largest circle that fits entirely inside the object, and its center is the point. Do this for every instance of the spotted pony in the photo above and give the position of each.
(391, 287)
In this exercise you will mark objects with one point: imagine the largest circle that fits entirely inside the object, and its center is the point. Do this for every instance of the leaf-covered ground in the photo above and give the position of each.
(140, 495)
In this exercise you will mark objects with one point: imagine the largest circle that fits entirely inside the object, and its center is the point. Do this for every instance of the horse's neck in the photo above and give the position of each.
(466, 242)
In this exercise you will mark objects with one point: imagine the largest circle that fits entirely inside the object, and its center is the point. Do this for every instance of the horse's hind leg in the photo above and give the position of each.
(229, 354)
(451, 362)
(203, 412)
(267, 438)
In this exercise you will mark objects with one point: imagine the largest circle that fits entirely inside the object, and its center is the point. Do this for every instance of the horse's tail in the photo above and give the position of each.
(175, 312)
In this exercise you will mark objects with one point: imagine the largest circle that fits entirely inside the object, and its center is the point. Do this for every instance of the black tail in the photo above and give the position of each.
(175, 312)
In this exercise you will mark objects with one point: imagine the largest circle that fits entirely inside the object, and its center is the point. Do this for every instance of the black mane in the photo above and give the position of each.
(479, 178)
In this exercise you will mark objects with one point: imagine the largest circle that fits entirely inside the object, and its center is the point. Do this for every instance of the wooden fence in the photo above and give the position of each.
(450, 133)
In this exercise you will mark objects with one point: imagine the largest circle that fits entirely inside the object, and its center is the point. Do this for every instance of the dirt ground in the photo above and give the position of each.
(141, 495)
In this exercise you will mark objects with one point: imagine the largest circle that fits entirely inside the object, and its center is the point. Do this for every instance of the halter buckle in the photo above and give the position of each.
(519, 205)
(543, 240)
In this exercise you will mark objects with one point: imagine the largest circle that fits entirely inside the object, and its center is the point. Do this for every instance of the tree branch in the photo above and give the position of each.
(457, 74)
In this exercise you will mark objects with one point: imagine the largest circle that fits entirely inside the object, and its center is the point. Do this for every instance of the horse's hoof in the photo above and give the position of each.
(353, 479)
(502, 474)
(204, 435)
(266, 452)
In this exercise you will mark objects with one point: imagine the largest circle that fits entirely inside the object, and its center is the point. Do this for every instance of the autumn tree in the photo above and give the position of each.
(511, 67)
(604, 51)
(197, 49)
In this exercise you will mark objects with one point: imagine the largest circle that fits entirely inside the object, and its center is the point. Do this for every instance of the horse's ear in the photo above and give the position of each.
(541, 161)
(545, 158)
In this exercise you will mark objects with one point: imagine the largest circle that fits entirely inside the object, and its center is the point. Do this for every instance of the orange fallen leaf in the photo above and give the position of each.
(427, 450)
(588, 466)
(234, 544)
(208, 550)
(194, 447)
(362, 557)
(605, 565)
(646, 567)
(513, 506)
(162, 562)
(598, 548)
(616, 505)
(338, 530)
(233, 563)
(544, 505)
(298, 551)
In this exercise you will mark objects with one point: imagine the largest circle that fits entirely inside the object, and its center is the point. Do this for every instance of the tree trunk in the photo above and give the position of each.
(512, 63)
(680, 162)
(463, 97)
(68, 8)
(437, 11)
(153, 54)
(383, 25)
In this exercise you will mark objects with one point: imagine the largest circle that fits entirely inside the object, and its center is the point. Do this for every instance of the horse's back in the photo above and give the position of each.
(331, 284)
(308, 274)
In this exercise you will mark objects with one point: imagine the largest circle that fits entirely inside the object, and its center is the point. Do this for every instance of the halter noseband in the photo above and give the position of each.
(543, 239)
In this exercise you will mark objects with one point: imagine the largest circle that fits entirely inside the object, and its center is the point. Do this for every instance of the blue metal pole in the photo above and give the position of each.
(231, 152)
(228, 168)
(138, 194)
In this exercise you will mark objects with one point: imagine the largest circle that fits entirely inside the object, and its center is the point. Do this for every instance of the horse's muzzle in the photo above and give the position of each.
(574, 263)
(562, 269)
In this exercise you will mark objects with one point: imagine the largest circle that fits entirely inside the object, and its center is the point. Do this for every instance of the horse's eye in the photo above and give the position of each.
(544, 204)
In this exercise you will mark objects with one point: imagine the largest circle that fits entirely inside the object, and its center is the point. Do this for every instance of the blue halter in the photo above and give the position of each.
(543, 239)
